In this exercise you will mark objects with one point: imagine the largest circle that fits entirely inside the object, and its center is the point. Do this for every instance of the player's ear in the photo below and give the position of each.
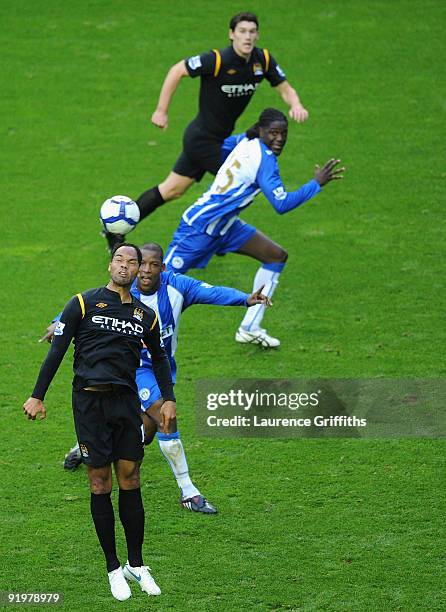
(163, 267)
(109, 267)
(231, 34)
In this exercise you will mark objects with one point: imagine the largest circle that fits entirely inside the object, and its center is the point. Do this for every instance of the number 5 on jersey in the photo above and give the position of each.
(230, 175)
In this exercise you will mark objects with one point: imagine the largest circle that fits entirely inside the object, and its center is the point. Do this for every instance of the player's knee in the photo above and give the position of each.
(150, 428)
(128, 476)
(99, 485)
(129, 483)
(153, 414)
(283, 255)
(171, 190)
(278, 255)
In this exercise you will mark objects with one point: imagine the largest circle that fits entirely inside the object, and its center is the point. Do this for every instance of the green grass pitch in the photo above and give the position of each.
(304, 524)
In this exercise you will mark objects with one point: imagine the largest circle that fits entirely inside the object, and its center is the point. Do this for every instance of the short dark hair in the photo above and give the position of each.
(153, 246)
(268, 116)
(243, 17)
(128, 244)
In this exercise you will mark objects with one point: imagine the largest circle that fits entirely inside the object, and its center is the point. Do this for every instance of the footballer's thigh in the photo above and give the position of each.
(263, 249)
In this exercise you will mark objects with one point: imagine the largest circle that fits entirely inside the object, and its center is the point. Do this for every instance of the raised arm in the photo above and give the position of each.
(270, 183)
(171, 82)
(198, 292)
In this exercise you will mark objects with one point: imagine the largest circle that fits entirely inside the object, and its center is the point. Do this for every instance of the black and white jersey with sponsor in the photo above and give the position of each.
(108, 336)
(228, 82)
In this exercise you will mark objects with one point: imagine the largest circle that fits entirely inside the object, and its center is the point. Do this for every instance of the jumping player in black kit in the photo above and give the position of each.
(108, 325)
(229, 78)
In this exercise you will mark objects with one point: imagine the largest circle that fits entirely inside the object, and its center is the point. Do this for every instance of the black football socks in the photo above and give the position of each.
(104, 521)
(149, 201)
(131, 513)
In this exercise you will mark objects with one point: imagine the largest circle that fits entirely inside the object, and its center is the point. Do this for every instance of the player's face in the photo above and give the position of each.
(149, 271)
(244, 37)
(124, 266)
(274, 136)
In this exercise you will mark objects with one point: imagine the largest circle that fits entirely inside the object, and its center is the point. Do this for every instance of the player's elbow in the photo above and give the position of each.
(179, 70)
(280, 208)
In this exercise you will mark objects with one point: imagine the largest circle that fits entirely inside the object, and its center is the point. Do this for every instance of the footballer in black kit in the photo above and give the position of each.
(108, 326)
(228, 83)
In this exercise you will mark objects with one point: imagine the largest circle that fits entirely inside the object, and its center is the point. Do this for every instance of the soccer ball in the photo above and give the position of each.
(119, 214)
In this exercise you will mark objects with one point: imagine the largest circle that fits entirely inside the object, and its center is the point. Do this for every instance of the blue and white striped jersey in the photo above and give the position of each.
(176, 293)
(249, 169)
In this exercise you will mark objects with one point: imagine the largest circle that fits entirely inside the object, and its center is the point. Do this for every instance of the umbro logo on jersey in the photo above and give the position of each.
(101, 305)
(138, 313)
(246, 89)
(231, 71)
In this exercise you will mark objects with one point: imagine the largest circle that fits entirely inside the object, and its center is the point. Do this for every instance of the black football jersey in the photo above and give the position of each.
(108, 336)
(228, 83)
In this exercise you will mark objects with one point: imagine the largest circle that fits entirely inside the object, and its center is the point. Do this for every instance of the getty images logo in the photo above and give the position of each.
(113, 324)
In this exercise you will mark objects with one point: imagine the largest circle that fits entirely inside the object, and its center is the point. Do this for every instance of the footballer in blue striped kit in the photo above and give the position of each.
(211, 226)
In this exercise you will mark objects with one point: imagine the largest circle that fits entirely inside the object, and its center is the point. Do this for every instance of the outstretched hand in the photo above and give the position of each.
(329, 172)
(258, 298)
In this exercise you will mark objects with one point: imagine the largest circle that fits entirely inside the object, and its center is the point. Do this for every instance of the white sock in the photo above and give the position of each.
(254, 314)
(174, 453)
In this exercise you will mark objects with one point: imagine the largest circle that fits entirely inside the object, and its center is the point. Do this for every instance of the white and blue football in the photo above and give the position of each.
(119, 214)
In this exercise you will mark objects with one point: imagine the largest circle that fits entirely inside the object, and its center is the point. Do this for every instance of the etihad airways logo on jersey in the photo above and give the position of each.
(125, 327)
(234, 91)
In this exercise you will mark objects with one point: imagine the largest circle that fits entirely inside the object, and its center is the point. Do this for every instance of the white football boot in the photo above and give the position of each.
(142, 576)
(118, 585)
(256, 336)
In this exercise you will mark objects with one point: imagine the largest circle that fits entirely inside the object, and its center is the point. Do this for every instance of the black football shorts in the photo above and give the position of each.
(201, 153)
(108, 425)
